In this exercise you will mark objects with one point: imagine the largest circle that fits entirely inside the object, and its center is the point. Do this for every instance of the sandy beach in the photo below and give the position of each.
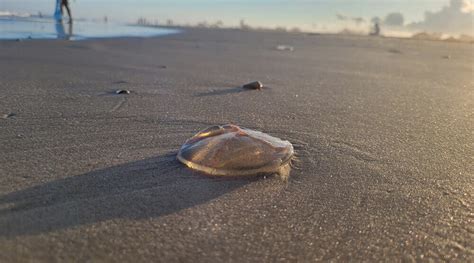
(382, 129)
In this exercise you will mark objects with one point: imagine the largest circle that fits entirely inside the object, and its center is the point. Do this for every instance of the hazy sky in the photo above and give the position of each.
(302, 13)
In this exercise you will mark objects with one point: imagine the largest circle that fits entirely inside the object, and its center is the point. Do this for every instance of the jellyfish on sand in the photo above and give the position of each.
(230, 150)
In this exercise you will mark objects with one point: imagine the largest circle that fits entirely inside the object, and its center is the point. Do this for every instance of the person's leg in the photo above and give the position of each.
(62, 8)
(69, 12)
(66, 4)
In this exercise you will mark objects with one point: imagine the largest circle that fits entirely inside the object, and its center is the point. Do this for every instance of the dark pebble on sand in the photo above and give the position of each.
(8, 115)
(253, 85)
(122, 91)
(394, 51)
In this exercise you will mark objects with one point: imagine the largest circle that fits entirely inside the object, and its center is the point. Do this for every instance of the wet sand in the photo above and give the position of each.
(382, 129)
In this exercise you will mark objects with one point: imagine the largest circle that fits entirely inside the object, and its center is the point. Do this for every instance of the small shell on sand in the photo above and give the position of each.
(8, 115)
(122, 91)
(285, 48)
(230, 150)
(253, 85)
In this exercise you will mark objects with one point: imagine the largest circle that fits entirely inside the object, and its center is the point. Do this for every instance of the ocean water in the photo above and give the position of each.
(323, 16)
(48, 28)
(304, 14)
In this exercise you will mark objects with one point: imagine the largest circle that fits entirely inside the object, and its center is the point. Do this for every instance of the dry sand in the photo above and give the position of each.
(382, 129)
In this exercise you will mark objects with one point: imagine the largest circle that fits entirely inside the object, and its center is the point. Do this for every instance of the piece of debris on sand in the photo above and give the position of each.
(285, 48)
(395, 51)
(122, 91)
(253, 85)
(8, 115)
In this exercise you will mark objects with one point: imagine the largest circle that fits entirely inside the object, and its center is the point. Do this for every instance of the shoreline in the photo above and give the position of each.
(420, 35)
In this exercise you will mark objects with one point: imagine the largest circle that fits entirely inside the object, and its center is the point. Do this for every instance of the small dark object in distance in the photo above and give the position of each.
(394, 51)
(8, 115)
(253, 85)
(122, 91)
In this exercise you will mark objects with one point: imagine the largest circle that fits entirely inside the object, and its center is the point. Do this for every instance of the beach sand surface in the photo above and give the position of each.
(382, 130)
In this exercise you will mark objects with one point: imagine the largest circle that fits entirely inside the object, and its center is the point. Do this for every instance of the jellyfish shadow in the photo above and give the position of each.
(147, 188)
(220, 92)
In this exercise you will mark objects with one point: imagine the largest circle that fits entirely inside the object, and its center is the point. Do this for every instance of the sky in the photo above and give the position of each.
(309, 15)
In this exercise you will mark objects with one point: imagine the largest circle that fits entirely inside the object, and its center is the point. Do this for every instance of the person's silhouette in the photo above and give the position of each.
(376, 29)
(65, 4)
